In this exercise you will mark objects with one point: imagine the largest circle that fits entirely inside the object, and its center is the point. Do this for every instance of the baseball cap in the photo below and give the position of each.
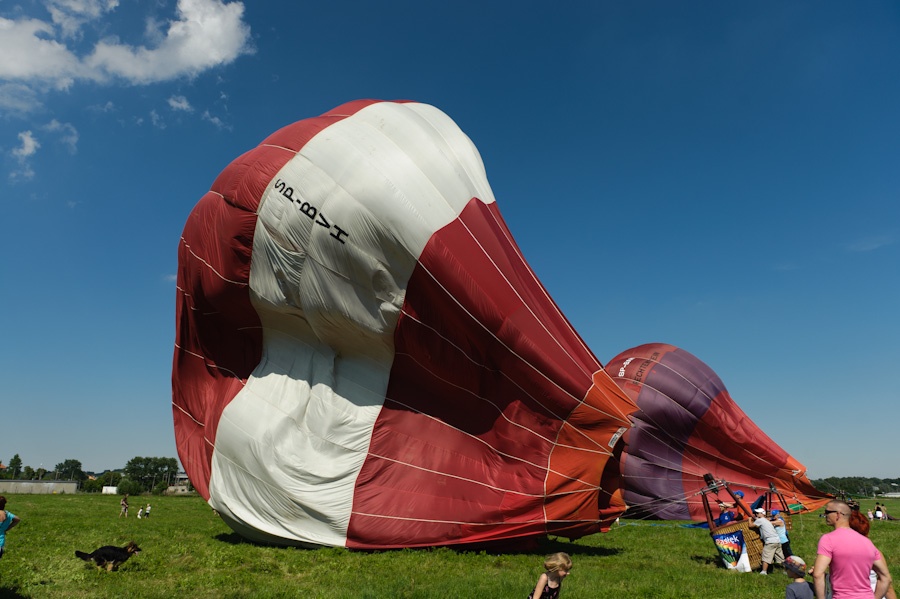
(759, 510)
(775, 512)
(795, 565)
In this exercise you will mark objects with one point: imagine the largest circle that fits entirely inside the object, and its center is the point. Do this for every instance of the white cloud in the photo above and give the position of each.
(29, 145)
(71, 15)
(25, 173)
(869, 244)
(157, 120)
(27, 148)
(107, 107)
(17, 99)
(208, 33)
(180, 103)
(30, 56)
(154, 31)
(205, 34)
(68, 134)
(219, 123)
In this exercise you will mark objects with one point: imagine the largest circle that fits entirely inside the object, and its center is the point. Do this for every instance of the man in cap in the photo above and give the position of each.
(771, 543)
(781, 530)
(850, 556)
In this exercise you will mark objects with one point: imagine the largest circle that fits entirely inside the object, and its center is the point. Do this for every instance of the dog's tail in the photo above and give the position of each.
(82, 555)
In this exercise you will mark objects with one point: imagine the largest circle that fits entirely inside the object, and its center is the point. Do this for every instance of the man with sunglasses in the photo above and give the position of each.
(850, 556)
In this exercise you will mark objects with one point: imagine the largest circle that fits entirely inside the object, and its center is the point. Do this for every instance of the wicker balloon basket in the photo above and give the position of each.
(751, 539)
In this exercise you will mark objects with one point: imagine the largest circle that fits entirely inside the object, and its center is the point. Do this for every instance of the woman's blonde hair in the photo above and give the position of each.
(558, 561)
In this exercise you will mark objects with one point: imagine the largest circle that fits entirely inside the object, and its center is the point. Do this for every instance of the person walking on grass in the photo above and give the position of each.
(124, 504)
(849, 556)
(7, 521)
(549, 584)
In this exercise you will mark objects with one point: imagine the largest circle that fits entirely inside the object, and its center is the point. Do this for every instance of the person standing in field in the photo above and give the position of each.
(860, 524)
(124, 504)
(781, 530)
(147, 511)
(7, 521)
(795, 567)
(849, 556)
(771, 544)
(549, 584)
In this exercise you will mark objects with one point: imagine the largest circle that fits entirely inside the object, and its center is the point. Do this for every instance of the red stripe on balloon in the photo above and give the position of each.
(487, 371)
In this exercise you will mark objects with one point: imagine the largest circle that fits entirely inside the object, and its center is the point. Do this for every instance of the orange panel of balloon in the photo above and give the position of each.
(688, 425)
(363, 357)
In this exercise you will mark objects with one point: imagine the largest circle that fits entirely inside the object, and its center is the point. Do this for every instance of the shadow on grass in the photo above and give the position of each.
(553, 545)
(11, 593)
(707, 560)
(523, 547)
(233, 538)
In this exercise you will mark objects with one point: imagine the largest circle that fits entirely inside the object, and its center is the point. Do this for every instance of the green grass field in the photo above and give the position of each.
(188, 551)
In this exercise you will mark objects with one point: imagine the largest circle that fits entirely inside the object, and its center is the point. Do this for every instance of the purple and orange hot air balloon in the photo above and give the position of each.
(687, 425)
(365, 359)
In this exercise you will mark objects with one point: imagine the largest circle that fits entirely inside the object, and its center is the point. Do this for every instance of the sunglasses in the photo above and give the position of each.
(831, 512)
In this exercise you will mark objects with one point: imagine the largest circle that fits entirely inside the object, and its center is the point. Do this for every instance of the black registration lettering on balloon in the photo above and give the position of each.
(312, 212)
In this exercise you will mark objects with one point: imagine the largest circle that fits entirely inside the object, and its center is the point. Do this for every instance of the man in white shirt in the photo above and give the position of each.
(771, 543)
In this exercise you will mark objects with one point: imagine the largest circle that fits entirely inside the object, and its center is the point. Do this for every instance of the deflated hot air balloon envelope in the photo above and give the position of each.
(687, 425)
(365, 359)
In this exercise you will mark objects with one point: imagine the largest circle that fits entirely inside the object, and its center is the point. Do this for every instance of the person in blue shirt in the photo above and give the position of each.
(7, 521)
(781, 529)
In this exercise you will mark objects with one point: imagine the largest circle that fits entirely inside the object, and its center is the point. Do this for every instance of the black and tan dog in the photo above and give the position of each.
(109, 557)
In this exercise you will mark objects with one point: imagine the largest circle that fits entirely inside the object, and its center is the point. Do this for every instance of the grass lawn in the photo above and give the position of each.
(188, 551)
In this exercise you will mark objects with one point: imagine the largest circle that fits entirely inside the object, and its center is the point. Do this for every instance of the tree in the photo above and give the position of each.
(149, 472)
(28, 473)
(69, 470)
(110, 478)
(130, 487)
(865, 486)
(14, 466)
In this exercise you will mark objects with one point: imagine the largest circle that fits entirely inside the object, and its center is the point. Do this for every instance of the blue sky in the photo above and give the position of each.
(722, 177)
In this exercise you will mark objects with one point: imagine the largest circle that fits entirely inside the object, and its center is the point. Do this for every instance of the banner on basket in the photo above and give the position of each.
(733, 550)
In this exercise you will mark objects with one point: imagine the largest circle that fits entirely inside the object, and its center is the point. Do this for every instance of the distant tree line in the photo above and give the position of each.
(857, 485)
(140, 475)
(65, 470)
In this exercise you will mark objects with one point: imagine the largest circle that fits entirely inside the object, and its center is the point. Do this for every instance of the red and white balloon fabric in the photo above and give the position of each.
(363, 357)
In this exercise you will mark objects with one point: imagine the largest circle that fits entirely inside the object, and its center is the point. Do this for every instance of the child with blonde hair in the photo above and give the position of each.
(557, 566)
